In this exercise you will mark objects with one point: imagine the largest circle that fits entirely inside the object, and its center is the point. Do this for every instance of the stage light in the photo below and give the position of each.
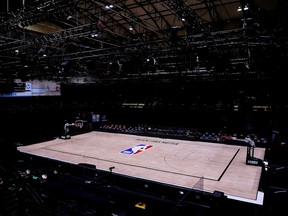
(34, 177)
(44, 176)
(245, 8)
(28, 171)
(108, 6)
(94, 35)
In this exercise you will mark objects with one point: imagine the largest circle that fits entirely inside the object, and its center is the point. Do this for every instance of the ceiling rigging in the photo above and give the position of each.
(123, 39)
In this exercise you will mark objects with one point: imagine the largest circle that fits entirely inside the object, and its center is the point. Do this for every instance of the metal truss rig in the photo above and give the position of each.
(192, 19)
(82, 48)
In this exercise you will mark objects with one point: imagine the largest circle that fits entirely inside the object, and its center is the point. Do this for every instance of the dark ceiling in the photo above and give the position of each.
(128, 39)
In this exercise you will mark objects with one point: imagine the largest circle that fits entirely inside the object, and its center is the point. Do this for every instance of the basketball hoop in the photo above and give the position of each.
(79, 123)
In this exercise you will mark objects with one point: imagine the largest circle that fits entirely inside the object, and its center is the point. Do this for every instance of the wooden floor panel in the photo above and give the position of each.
(170, 161)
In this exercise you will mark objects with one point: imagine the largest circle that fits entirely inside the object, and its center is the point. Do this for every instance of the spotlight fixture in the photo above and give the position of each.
(44, 176)
(108, 6)
(246, 7)
(94, 35)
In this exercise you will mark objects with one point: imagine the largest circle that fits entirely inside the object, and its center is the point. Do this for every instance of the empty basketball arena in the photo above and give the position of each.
(143, 108)
(182, 165)
(177, 163)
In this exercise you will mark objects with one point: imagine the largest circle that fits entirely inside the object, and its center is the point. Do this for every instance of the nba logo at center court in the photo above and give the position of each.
(136, 149)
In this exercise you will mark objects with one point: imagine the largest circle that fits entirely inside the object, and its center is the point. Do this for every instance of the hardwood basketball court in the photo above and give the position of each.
(174, 162)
